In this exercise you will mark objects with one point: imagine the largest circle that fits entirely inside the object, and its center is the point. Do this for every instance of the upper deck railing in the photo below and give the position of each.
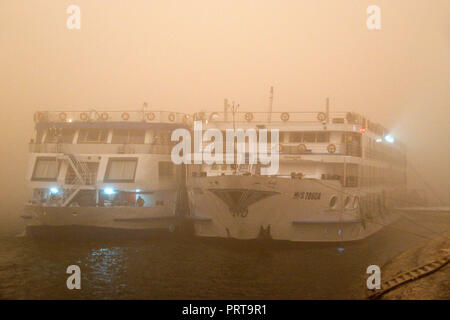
(273, 117)
(263, 118)
(112, 116)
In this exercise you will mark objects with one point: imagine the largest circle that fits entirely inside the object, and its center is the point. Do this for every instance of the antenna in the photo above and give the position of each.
(225, 109)
(234, 108)
(270, 105)
(144, 106)
(327, 110)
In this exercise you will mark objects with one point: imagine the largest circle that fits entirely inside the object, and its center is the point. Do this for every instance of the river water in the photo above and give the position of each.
(199, 269)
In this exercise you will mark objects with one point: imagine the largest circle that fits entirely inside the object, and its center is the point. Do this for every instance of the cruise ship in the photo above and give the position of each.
(104, 172)
(339, 177)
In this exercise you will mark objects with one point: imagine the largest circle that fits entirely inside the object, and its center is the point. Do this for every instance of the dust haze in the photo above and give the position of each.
(190, 55)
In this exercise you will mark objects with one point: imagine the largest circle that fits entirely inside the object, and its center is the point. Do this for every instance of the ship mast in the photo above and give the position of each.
(269, 119)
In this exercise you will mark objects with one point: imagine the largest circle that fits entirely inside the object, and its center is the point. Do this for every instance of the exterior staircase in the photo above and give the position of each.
(82, 177)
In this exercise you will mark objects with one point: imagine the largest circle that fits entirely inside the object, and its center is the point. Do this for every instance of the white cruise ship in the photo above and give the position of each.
(339, 175)
(105, 172)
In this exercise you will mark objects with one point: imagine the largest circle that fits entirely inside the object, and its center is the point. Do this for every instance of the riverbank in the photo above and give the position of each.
(435, 286)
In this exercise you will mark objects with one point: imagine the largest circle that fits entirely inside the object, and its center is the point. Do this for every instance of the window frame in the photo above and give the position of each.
(83, 134)
(33, 178)
(130, 136)
(108, 169)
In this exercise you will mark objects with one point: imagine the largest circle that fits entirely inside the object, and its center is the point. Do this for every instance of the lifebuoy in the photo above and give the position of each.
(83, 116)
(125, 116)
(249, 116)
(150, 116)
(104, 116)
(321, 116)
(301, 148)
(62, 116)
(214, 116)
(284, 116)
(171, 117)
(331, 148)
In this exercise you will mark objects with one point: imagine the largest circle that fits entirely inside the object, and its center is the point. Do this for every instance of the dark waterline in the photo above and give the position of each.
(198, 269)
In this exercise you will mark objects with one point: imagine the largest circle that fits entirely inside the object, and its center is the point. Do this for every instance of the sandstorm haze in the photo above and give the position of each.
(190, 55)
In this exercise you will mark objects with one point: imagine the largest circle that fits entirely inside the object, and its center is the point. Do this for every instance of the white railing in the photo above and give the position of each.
(108, 116)
(274, 117)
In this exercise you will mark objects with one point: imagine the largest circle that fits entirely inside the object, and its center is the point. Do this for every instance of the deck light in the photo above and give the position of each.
(54, 190)
(379, 140)
(108, 191)
(138, 190)
(389, 138)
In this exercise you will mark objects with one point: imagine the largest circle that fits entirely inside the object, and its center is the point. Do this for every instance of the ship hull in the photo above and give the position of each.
(298, 210)
(100, 222)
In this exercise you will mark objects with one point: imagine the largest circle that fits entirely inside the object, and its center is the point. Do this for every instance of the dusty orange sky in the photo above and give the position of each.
(189, 55)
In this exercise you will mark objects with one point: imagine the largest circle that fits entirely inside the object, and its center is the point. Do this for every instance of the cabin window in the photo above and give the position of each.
(309, 137)
(92, 136)
(39, 135)
(161, 138)
(347, 202)
(52, 135)
(333, 202)
(121, 136)
(165, 169)
(67, 136)
(45, 169)
(295, 137)
(55, 135)
(323, 137)
(121, 170)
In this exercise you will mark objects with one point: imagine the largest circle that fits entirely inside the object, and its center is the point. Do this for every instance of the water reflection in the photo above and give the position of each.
(197, 269)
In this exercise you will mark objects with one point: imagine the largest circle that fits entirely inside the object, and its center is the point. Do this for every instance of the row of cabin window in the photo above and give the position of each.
(306, 137)
(120, 136)
(118, 170)
(297, 136)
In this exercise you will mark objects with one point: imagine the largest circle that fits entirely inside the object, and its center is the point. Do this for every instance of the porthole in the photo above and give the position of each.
(333, 202)
(356, 203)
(347, 202)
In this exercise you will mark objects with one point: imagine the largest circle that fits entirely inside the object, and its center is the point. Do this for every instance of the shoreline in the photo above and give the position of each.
(434, 286)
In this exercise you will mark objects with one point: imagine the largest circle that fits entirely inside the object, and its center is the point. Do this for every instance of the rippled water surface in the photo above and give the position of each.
(197, 269)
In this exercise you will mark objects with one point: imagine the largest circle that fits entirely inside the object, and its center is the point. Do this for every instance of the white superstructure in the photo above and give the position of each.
(108, 169)
(339, 174)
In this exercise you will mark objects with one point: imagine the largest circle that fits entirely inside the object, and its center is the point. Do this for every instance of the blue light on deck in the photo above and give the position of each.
(54, 190)
(108, 191)
(389, 138)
